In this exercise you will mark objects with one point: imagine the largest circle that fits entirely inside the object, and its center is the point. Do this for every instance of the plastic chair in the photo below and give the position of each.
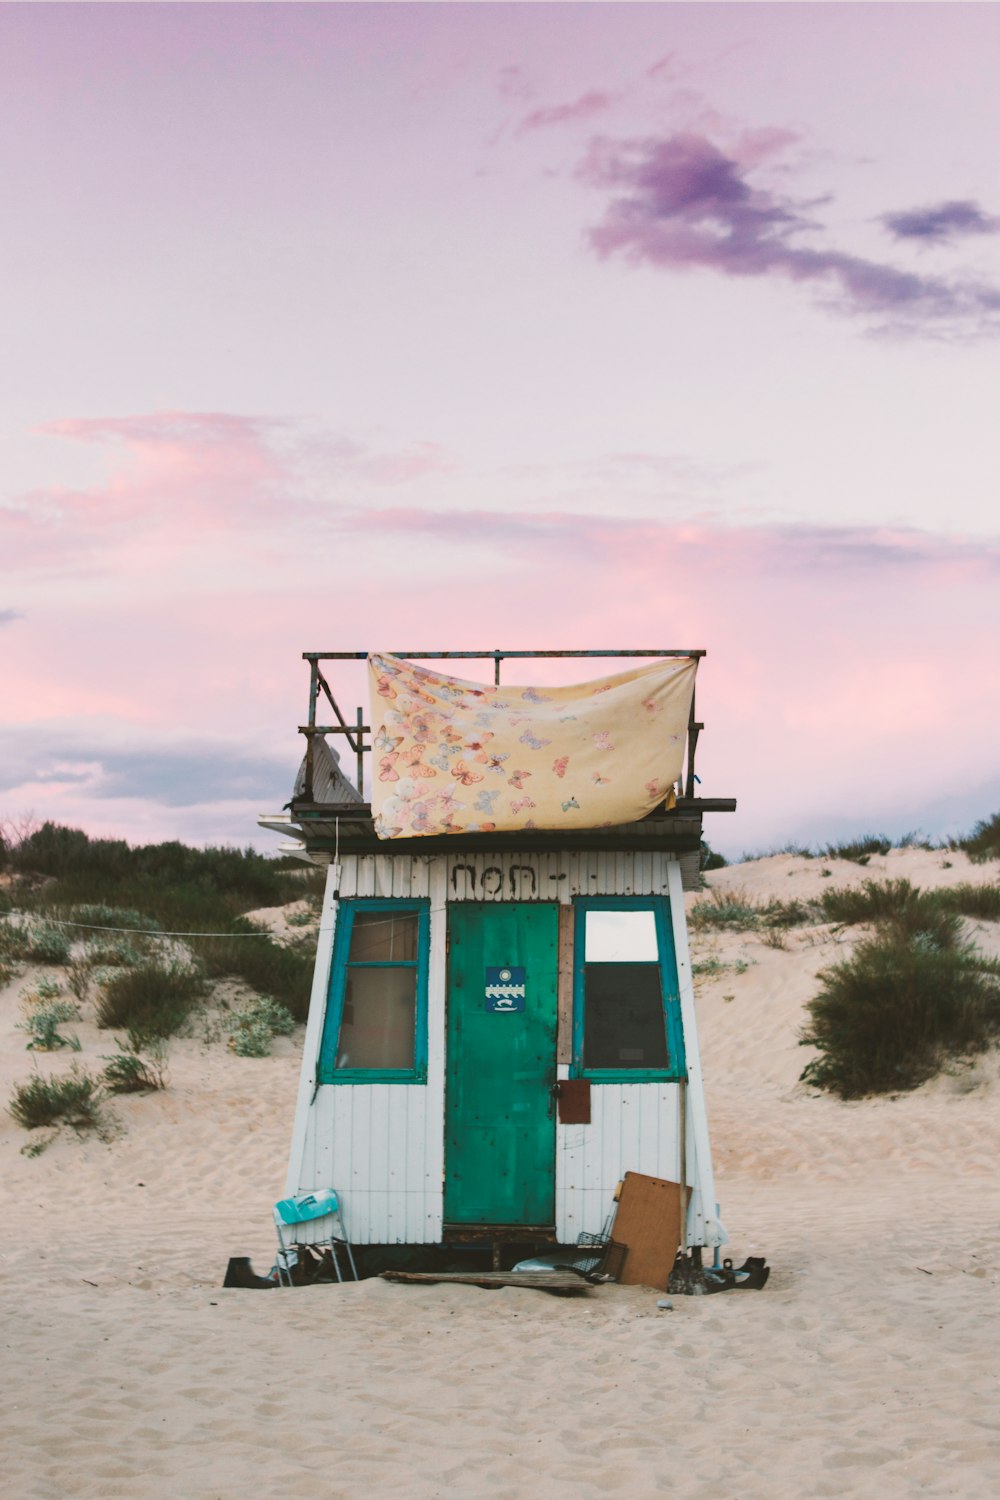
(323, 1204)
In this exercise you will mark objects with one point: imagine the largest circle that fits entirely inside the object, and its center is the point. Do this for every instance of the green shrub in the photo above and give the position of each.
(266, 966)
(801, 851)
(79, 977)
(154, 1000)
(790, 913)
(74, 1099)
(982, 901)
(984, 840)
(45, 988)
(256, 1023)
(120, 952)
(905, 904)
(30, 940)
(127, 1072)
(42, 1025)
(874, 901)
(888, 1017)
(13, 940)
(103, 915)
(48, 945)
(726, 909)
(860, 850)
(252, 1040)
(711, 859)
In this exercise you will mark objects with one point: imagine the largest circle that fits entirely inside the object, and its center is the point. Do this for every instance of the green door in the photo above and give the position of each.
(501, 1064)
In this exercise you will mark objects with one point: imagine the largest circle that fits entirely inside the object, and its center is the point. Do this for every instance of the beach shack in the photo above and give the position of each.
(502, 1016)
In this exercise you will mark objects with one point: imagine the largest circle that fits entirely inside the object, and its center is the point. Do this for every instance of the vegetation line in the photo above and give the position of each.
(135, 931)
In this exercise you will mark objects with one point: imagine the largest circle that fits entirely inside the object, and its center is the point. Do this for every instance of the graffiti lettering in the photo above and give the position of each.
(521, 870)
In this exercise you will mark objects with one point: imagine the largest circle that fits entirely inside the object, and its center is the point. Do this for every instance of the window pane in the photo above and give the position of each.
(379, 1022)
(620, 937)
(623, 1016)
(384, 937)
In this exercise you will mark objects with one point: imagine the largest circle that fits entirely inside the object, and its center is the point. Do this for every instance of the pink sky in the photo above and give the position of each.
(417, 326)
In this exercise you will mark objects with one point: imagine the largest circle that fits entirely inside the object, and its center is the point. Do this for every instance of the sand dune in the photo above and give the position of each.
(867, 1367)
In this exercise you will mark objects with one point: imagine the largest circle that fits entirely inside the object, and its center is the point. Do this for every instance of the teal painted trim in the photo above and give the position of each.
(669, 985)
(327, 1071)
(631, 1075)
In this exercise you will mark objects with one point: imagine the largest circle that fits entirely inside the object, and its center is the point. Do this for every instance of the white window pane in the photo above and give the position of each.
(620, 937)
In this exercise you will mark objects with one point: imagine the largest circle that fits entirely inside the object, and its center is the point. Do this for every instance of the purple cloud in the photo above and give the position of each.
(939, 222)
(8, 616)
(680, 203)
(593, 102)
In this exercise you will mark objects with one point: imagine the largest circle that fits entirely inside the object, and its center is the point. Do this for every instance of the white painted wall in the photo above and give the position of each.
(382, 1145)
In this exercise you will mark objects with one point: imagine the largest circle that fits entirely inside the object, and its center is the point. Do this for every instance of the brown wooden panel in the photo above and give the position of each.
(573, 1095)
(648, 1221)
(564, 1044)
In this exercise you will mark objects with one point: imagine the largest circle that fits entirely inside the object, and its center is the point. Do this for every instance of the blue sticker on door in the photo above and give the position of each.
(504, 989)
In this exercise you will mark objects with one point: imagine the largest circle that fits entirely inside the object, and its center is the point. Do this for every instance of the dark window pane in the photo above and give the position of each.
(384, 937)
(623, 1017)
(379, 1022)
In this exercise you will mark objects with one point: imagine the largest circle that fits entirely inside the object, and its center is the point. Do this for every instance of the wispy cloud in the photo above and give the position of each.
(182, 485)
(795, 548)
(938, 223)
(680, 203)
(589, 104)
(8, 616)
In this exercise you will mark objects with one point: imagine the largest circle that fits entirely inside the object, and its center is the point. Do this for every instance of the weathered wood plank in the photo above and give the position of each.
(549, 1281)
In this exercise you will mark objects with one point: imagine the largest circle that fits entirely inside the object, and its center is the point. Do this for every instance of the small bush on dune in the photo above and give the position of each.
(982, 901)
(874, 901)
(42, 1025)
(28, 940)
(48, 945)
(114, 917)
(904, 904)
(120, 952)
(726, 909)
(789, 913)
(154, 1000)
(860, 849)
(74, 1099)
(257, 1023)
(735, 910)
(711, 859)
(886, 1018)
(984, 840)
(263, 964)
(128, 1072)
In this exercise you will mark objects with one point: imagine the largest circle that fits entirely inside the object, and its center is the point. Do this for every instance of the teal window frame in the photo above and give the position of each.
(327, 1071)
(676, 1068)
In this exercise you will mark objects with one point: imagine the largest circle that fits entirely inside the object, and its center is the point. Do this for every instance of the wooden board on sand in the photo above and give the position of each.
(648, 1222)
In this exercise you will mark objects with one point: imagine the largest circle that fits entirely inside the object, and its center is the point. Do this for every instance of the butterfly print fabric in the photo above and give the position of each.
(591, 755)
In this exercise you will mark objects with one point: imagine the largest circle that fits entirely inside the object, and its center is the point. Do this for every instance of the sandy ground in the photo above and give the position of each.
(868, 1366)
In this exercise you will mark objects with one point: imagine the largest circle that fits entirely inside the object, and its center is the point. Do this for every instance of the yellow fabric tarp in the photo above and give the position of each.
(465, 757)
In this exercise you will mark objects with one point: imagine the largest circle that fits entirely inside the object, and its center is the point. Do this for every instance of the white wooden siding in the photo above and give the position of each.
(382, 1145)
(633, 1128)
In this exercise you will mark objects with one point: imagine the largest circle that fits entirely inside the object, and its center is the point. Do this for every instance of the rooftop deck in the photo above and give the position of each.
(325, 813)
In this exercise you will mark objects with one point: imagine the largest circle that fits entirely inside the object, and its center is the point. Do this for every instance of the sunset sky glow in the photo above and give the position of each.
(461, 326)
